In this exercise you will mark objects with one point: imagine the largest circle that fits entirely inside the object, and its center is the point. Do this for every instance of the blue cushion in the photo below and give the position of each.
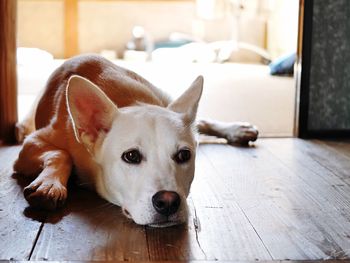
(283, 65)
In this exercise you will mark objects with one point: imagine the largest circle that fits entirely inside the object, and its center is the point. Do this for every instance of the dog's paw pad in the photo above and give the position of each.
(242, 134)
(45, 195)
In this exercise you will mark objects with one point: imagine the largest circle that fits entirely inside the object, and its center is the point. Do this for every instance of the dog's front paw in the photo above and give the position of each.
(241, 133)
(46, 194)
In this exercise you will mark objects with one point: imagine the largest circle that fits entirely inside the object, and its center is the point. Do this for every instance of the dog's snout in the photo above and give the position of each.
(166, 202)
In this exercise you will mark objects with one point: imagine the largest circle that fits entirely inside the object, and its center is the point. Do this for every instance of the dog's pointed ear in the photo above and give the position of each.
(187, 103)
(91, 111)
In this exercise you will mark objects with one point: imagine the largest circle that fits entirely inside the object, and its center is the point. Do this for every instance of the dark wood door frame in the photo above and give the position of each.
(303, 67)
(8, 68)
(8, 71)
(303, 78)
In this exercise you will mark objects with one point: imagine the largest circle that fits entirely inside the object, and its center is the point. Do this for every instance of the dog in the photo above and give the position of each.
(123, 138)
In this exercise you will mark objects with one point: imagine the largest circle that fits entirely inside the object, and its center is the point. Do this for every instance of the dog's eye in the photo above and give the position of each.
(182, 156)
(132, 156)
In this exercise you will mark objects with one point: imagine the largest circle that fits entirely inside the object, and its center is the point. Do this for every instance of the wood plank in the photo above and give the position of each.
(335, 163)
(339, 146)
(175, 243)
(71, 46)
(324, 165)
(279, 200)
(89, 228)
(111, 236)
(326, 199)
(17, 230)
(118, 239)
(8, 71)
(287, 213)
(223, 231)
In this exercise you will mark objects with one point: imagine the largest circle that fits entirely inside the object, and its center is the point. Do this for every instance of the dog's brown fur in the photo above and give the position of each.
(50, 152)
(51, 149)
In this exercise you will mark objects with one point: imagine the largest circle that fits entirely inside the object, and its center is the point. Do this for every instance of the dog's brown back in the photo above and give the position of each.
(122, 86)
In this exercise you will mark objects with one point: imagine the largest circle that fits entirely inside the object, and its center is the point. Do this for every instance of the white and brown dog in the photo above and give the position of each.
(122, 136)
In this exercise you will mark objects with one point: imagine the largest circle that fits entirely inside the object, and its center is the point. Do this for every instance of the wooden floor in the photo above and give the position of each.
(284, 199)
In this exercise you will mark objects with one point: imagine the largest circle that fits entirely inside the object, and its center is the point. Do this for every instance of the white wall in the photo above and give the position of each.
(41, 24)
(282, 27)
(108, 24)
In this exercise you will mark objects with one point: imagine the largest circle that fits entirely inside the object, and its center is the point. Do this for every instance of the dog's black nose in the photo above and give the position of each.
(166, 202)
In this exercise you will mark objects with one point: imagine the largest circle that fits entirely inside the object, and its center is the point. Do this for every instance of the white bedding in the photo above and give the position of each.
(232, 91)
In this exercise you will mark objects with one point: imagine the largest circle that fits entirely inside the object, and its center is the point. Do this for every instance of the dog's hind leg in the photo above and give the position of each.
(239, 133)
(51, 167)
(27, 125)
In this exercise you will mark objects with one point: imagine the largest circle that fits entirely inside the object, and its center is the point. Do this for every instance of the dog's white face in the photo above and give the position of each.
(141, 156)
(146, 153)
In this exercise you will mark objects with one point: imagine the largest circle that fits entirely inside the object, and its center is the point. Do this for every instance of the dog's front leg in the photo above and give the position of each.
(240, 133)
(52, 168)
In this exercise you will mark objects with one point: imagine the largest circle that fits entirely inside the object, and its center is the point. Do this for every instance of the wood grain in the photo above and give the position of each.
(282, 199)
(110, 235)
(207, 236)
(224, 231)
(17, 231)
(8, 75)
(324, 197)
(287, 213)
(174, 243)
(89, 228)
(339, 146)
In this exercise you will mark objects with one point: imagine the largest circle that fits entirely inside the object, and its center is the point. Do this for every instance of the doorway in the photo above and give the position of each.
(230, 43)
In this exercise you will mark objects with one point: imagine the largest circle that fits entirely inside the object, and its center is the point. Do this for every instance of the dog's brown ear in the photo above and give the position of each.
(187, 103)
(91, 111)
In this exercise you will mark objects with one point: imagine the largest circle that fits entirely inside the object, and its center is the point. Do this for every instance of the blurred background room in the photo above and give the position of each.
(245, 49)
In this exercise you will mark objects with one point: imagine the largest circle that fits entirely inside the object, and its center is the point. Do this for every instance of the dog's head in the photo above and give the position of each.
(146, 153)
